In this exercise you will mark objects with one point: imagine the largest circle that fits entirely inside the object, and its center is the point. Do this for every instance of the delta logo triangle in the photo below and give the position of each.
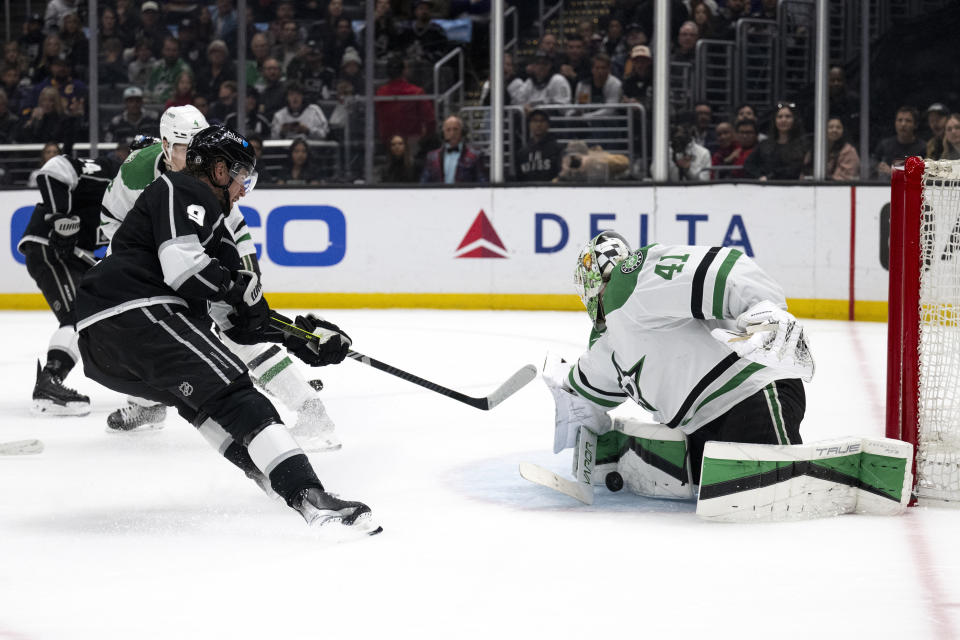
(481, 240)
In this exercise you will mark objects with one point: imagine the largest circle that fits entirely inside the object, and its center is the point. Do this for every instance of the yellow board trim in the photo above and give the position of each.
(875, 311)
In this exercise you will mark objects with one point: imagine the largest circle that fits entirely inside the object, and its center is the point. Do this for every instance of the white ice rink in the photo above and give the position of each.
(153, 535)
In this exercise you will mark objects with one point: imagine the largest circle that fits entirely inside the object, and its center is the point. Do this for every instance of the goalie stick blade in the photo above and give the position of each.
(513, 384)
(20, 447)
(544, 477)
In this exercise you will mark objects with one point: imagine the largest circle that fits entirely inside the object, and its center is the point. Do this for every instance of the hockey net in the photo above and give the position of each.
(923, 374)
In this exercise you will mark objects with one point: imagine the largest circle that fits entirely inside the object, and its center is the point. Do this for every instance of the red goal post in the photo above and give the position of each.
(923, 335)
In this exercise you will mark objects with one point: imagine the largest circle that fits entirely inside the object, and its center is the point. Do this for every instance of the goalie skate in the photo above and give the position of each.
(52, 397)
(135, 417)
(320, 508)
(314, 430)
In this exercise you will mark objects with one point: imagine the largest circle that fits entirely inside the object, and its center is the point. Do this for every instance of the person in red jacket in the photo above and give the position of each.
(411, 119)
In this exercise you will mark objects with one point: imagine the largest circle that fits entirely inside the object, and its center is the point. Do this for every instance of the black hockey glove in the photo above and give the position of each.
(64, 233)
(329, 344)
(250, 310)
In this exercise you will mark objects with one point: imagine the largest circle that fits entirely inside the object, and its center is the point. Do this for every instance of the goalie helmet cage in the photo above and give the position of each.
(923, 335)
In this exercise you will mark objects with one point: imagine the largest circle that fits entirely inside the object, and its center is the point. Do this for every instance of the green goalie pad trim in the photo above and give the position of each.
(612, 445)
(669, 456)
(673, 452)
(876, 474)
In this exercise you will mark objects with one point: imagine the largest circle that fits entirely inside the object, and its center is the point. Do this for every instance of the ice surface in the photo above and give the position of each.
(153, 535)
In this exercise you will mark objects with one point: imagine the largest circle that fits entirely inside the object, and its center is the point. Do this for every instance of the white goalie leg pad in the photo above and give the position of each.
(272, 446)
(584, 457)
(656, 465)
(771, 483)
(65, 339)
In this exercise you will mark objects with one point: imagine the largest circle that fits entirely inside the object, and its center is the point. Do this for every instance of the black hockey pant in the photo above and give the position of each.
(770, 416)
(167, 355)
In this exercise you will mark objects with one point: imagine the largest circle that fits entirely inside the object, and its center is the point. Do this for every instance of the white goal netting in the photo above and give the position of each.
(938, 448)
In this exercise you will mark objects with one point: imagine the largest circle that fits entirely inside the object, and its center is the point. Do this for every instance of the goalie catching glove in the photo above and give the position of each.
(771, 337)
(327, 344)
(572, 410)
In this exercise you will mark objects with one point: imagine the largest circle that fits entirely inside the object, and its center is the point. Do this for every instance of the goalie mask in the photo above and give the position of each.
(595, 264)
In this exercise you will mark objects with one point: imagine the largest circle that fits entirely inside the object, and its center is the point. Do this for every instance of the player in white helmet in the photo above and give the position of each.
(269, 365)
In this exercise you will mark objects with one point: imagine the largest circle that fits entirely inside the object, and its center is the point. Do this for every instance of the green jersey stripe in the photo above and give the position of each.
(718, 370)
(720, 284)
(728, 386)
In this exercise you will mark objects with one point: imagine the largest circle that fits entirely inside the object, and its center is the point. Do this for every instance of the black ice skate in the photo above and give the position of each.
(51, 397)
(320, 508)
(135, 417)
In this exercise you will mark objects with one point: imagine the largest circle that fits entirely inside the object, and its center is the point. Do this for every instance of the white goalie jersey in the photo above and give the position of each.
(656, 349)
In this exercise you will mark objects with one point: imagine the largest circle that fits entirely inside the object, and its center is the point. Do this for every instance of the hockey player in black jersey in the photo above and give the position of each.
(58, 246)
(145, 322)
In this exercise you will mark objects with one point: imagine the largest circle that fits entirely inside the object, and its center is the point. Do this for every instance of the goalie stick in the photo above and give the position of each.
(20, 447)
(513, 384)
(544, 477)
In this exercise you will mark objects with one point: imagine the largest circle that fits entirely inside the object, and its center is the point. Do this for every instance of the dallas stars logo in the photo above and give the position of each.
(629, 381)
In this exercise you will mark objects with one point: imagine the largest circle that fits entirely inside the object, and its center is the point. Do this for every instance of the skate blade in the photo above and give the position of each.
(319, 447)
(141, 429)
(49, 408)
(334, 529)
(364, 525)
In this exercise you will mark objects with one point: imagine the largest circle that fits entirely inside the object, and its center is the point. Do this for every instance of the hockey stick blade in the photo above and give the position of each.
(546, 478)
(20, 448)
(513, 384)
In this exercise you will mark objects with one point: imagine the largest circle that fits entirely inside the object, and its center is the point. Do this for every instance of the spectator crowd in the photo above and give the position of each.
(304, 83)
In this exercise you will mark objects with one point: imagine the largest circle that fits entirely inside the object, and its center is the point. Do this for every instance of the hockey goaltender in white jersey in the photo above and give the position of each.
(701, 339)
(663, 317)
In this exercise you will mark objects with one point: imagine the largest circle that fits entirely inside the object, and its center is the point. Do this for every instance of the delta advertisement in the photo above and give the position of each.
(516, 247)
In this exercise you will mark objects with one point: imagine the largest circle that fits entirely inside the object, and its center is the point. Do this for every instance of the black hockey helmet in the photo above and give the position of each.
(218, 142)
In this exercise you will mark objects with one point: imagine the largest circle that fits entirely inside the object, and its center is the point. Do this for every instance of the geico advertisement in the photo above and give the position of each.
(517, 241)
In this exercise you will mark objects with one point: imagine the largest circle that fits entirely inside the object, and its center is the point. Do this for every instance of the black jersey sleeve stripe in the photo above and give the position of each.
(701, 386)
(696, 297)
(582, 377)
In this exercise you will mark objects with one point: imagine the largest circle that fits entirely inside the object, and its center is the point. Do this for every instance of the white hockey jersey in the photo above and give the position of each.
(661, 304)
(142, 167)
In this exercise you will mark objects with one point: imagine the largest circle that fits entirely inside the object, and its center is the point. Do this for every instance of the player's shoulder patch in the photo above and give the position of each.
(623, 281)
(632, 262)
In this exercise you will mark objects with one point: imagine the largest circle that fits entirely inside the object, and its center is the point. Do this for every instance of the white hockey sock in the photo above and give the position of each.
(65, 339)
(271, 447)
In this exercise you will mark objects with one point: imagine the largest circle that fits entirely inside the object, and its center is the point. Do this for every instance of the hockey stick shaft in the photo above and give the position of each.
(508, 388)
